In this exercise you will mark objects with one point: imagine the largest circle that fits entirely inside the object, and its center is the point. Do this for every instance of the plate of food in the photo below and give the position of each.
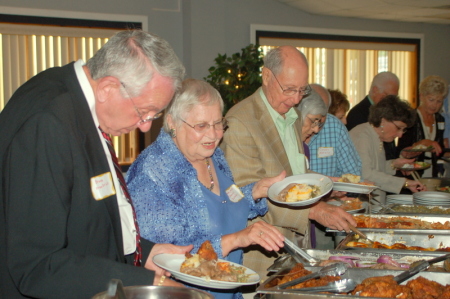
(350, 205)
(300, 190)
(419, 148)
(415, 166)
(206, 270)
(352, 183)
(443, 189)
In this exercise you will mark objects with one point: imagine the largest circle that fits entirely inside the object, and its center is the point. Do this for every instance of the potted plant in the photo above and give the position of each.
(237, 76)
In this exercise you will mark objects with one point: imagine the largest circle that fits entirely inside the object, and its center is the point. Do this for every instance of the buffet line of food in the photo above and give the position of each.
(401, 241)
(394, 246)
(403, 251)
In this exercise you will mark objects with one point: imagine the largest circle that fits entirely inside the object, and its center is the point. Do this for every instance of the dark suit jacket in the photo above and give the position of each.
(358, 114)
(57, 241)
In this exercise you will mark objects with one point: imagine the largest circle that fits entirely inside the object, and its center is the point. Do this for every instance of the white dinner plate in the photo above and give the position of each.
(364, 206)
(324, 183)
(172, 263)
(354, 188)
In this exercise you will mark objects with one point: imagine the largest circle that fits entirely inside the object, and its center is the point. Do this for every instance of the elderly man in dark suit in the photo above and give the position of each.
(66, 221)
(383, 84)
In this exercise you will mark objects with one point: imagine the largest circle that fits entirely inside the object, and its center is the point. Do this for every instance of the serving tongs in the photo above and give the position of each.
(297, 253)
(332, 270)
(420, 266)
(384, 207)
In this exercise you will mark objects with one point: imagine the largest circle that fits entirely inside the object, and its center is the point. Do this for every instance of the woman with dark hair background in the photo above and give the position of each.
(339, 105)
(387, 120)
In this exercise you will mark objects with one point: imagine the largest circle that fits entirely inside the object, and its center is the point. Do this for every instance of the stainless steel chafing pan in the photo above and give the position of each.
(266, 289)
(436, 239)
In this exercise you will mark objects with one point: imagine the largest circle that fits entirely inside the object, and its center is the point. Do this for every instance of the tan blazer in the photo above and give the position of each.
(254, 150)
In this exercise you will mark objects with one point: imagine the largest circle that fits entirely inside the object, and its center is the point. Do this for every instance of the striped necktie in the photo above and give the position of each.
(138, 252)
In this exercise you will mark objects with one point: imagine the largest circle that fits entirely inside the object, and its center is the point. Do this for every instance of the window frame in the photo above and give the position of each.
(84, 21)
(258, 31)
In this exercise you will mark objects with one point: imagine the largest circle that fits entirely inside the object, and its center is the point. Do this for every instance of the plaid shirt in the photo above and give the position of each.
(332, 151)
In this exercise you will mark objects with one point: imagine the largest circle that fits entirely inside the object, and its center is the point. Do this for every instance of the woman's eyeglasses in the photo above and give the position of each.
(204, 127)
(403, 130)
(316, 123)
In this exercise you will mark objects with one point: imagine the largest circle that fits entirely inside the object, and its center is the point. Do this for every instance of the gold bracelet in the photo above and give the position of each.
(161, 281)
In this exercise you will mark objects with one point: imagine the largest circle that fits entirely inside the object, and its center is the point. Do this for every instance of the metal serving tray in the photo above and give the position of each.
(267, 290)
(437, 211)
(408, 256)
(429, 218)
(424, 238)
(404, 256)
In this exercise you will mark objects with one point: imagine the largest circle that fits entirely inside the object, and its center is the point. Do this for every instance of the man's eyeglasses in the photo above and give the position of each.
(303, 91)
(403, 130)
(204, 127)
(143, 120)
(316, 123)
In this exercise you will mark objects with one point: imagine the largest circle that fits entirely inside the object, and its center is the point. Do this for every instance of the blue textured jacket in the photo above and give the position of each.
(168, 199)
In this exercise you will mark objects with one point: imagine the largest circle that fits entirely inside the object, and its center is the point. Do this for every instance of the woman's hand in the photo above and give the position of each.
(409, 154)
(427, 142)
(399, 162)
(261, 233)
(261, 186)
(164, 248)
(415, 186)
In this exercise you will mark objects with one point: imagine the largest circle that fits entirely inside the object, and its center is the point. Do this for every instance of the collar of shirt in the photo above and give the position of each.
(286, 131)
(280, 122)
(370, 100)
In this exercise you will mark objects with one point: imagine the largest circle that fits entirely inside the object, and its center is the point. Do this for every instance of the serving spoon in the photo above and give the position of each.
(360, 233)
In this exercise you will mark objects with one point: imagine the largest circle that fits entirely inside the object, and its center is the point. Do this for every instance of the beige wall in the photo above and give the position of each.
(200, 29)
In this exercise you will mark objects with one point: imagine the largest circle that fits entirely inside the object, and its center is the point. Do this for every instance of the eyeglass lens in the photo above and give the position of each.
(203, 127)
(143, 120)
(306, 90)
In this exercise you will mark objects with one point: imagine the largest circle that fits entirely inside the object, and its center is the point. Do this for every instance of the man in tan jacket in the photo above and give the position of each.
(264, 138)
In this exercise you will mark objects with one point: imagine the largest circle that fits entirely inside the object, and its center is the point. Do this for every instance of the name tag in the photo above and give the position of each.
(102, 186)
(441, 125)
(234, 193)
(324, 152)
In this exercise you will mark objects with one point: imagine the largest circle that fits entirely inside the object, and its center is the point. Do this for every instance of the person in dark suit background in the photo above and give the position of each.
(66, 226)
(383, 84)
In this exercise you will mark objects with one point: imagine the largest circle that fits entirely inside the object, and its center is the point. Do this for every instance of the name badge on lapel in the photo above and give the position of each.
(441, 125)
(102, 186)
(234, 193)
